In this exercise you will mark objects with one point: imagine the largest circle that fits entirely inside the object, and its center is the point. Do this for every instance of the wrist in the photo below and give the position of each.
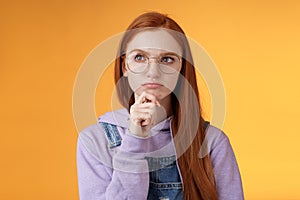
(134, 143)
(138, 131)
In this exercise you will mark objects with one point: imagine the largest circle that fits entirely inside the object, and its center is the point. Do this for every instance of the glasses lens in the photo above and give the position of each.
(169, 64)
(137, 62)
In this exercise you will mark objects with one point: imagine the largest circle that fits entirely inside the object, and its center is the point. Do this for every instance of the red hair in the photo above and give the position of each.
(197, 173)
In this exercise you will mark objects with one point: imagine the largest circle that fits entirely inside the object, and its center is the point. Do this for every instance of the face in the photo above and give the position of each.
(157, 52)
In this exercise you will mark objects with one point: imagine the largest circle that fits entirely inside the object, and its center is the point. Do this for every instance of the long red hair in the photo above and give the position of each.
(197, 173)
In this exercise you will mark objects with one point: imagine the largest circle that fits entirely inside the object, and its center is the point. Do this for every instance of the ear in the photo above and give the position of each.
(124, 70)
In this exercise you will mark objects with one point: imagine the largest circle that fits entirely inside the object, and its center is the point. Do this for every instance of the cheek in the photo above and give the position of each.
(171, 82)
(134, 81)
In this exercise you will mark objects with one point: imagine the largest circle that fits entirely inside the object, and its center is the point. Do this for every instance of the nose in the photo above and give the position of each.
(153, 70)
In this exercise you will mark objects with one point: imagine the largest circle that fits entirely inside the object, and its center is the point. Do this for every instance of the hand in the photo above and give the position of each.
(144, 114)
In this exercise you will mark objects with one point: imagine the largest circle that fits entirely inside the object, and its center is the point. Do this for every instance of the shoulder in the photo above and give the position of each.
(118, 117)
(93, 139)
(215, 136)
(215, 142)
(91, 134)
(219, 146)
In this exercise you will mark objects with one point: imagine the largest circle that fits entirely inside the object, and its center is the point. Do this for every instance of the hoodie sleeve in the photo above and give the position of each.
(227, 175)
(105, 176)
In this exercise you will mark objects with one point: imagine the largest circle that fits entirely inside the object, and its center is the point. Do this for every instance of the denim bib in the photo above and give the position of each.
(165, 183)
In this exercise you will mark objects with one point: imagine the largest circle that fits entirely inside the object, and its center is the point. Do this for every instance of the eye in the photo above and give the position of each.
(139, 58)
(167, 60)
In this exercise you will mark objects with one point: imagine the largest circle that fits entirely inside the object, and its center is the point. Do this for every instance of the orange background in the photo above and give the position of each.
(255, 45)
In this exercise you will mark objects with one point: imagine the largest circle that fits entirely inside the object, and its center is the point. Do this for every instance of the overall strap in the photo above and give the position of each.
(206, 123)
(112, 134)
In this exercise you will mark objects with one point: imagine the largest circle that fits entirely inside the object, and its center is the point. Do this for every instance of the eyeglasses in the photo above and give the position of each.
(138, 61)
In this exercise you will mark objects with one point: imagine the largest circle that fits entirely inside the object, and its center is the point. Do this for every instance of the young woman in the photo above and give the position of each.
(153, 148)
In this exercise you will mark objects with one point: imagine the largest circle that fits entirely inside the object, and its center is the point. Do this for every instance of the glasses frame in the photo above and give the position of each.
(152, 57)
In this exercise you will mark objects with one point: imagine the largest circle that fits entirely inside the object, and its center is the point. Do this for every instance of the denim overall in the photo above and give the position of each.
(165, 183)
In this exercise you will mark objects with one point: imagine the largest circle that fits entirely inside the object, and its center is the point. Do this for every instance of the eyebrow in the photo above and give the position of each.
(147, 53)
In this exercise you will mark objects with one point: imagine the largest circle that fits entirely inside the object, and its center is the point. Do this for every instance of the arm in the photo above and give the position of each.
(227, 175)
(99, 181)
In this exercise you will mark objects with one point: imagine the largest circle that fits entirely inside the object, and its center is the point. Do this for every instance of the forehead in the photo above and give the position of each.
(154, 39)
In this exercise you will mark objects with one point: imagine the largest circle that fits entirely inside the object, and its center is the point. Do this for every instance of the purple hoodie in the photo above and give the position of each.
(122, 173)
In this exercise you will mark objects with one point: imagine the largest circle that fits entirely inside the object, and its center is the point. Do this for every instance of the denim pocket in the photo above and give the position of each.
(165, 180)
(112, 135)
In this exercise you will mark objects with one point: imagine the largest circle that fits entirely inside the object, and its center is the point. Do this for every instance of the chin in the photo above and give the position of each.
(162, 96)
(158, 93)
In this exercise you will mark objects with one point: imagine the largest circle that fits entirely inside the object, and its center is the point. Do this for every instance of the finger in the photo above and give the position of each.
(149, 98)
(145, 107)
(146, 97)
(144, 111)
(139, 99)
(142, 107)
(145, 122)
(139, 117)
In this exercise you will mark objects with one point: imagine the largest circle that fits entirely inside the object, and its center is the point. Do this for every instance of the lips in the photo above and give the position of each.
(152, 85)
